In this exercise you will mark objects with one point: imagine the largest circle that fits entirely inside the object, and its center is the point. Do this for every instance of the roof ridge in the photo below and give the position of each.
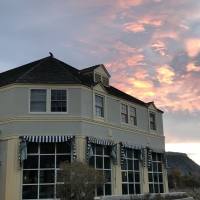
(66, 70)
(31, 69)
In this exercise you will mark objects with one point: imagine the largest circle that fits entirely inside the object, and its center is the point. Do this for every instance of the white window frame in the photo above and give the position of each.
(105, 81)
(103, 155)
(35, 112)
(155, 173)
(132, 116)
(124, 114)
(38, 184)
(99, 77)
(125, 170)
(96, 106)
(59, 112)
(154, 122)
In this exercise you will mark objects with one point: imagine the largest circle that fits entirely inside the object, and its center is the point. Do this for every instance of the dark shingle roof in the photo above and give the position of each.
(89, 69)
(50, 70)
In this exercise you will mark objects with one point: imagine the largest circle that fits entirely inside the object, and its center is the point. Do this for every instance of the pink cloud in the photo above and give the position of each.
(165, 74)
(135, 27)
(192, 46)
(192, 67)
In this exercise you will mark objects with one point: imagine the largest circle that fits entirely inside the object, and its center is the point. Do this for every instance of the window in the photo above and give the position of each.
(155, 174)
(133, 119)
(105, 81)
(97, 78)
(124, 113)
(38, 100)
(58, 101)
(99, 106)
(131, 173)
(152, 121)
(101, 160)
(41, 168)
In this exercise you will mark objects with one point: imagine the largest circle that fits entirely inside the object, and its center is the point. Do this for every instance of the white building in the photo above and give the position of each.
(55, 112)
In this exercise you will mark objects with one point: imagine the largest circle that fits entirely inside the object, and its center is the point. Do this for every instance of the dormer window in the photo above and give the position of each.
(97, 78)
(105, 81)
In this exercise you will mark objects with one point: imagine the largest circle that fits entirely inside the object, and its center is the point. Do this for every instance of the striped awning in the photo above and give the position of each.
(125, 145)
(161, 151)
(104, 142)
(43, 139)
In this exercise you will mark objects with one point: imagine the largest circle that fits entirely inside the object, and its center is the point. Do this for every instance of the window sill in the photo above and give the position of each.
(134, 126)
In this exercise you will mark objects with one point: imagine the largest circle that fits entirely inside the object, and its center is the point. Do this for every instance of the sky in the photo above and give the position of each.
(151, 48)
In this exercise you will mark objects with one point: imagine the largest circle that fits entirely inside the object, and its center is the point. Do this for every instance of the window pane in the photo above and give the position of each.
(47, 161)
(29, 192)
(32, 147)
(62, 158)
(136, 154)
(150, 177)
(124, 177)
(137, 177)
(156, 190)
(137, 188)
(108, 189)
(47, 176)
(107, 163)
(108, 175)
(159, 157)
(130, 165)
(160, 178)
(124, 166)
(161, 188)
(47, 148)
(99, 162)
(151, 190)
(91, 161)
(129, 153)
(100, 191)
(155, 178)
(58, 101)
(159, 167)
(46, 191)
(99, 150)
(130, 176)
(136, 165)
(131, 188)
(63, 147)
(38, 100)
(107, 150)
(30, 176)
(31, 162)
(155, 166)
(124, 189)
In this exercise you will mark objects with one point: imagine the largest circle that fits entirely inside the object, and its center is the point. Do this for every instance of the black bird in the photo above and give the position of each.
(51, 54)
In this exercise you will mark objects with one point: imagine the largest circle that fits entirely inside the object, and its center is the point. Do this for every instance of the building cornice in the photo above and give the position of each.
(78, 119)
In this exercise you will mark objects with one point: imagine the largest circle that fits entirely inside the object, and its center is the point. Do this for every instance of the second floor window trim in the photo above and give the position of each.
(133, 116)
(99, 106)
(38, 100)
(152, 119)
(58, 100)
(124, 113)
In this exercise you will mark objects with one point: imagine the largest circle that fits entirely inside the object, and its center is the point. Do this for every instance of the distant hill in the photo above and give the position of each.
(182, 162)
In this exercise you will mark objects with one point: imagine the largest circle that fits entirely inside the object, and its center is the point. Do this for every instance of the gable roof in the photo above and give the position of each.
(50, 70)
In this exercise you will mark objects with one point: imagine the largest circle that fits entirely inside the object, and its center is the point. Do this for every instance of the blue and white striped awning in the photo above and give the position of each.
(125, 145)
(103, 142)
(161, 151)
(47, 139)
(43, 139)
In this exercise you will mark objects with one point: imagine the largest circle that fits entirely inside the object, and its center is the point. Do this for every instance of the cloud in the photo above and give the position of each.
(192, 67)
(135, 27)
(165, 74)
(192, 47)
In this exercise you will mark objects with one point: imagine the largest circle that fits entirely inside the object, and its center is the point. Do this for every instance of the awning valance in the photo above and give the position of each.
(125, 145)
(103, 142)
(43, 139)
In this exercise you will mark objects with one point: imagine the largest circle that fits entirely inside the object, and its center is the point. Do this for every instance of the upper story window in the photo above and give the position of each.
(152, 117)
(133, 119)
(99, 106)
(105, 81)
(124, 113)
(38, 100)
(58, 101)
(97, 77)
